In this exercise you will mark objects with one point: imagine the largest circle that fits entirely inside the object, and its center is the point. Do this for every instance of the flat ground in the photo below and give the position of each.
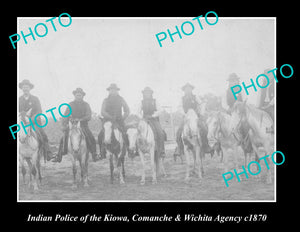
(57, 181)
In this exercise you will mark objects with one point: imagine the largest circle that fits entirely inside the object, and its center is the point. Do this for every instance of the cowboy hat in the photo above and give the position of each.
(187, 85)
(26, 82)
(113, 86)
(78, 90)
(233, 77)
(147, 90)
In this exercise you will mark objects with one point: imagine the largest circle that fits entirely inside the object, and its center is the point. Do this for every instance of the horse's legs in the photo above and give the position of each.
(221, 155)
(73, 159)
(111, 166)
(35, 171)
(81, 165)
(153, 165)
(247, 158)
(161, 164)
(119, 162)
(143, 167)
(201, 162)
(187, 157)
(123, 166)
(198, 161)
(195, 161)
(39, 168)
(23, 169)
(30, 170)
(86, 165)
(269, 178)
(84, 169)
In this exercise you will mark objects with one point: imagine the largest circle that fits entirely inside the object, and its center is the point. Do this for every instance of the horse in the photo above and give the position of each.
(178, 152)
(192, 143)
(258, 121)
(77, 147)
(142, 138)
(216, 124)
(115, 147)
(30, 152)
(219, 134)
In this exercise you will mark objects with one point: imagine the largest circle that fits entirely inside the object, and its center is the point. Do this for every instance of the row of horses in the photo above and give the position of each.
(221, 128)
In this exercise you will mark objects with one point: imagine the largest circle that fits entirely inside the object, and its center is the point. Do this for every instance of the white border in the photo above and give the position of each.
(151, 201)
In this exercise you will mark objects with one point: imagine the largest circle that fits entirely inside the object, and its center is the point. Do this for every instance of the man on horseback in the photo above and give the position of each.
(243, 129)
(266, 98)
(189, 101)
(26, 102)
(81, 111)
(114, 109)
(150, 111)
(233, 79)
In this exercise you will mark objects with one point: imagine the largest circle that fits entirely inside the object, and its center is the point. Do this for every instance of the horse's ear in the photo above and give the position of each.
(78, 124)
(70, 124)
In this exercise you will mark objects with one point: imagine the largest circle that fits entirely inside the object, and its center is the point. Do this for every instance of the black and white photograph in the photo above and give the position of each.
(148, 122)
(145, 115)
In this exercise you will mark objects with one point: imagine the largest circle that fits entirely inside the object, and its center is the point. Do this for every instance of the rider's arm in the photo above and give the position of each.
(65, 121)
(88, 113)
(125, 109)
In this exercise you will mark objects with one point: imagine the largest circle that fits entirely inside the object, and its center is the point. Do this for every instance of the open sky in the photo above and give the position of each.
(93, 52)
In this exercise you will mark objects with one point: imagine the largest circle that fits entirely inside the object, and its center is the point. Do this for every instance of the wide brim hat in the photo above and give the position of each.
(232, 77)
(26, 82)
(147, 90)
(78, 90)
(187, 85)
(113, 86)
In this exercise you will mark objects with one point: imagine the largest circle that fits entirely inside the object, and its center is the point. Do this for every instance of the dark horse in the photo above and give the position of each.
(115, 147)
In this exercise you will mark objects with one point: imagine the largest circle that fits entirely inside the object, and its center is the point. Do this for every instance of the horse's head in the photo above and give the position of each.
(191, 123)
(76, 135)
(237, 115)
(132, 134)
(107, 132)
(214, 126)
(24, 117)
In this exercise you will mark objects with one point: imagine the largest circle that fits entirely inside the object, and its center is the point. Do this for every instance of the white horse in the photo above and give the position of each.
(113, 140)
(142, 137)
(192, 143)
(29, 151)
(78, 149)
(259, 122)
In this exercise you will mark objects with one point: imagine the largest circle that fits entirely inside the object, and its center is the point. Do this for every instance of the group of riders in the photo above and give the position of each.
(115, 109)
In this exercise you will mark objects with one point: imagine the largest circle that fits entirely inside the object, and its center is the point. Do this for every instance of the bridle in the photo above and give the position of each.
(80, 137)
(29, 133)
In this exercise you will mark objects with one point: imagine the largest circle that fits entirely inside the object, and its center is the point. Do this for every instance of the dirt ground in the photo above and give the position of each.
(57, 181)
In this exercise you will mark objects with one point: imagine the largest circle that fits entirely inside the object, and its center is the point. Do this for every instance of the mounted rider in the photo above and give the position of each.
(190, 101)
(241, 134)
(266, 98)
(115, 109)
(81, 111)
(266, 101)
(29, 102)
(233, 80)
(150, 110)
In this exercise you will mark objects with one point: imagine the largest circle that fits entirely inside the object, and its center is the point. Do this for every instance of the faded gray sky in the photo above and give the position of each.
(93, 52)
